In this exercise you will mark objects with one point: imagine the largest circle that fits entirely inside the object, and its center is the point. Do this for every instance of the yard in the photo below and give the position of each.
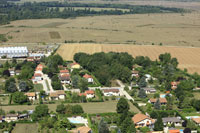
(4, 100)
(25, 128)
(94, 107)
(38, 87)
(196, 95)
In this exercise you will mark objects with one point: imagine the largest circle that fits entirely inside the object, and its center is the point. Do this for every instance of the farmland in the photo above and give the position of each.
(168, 29)
(187, 57)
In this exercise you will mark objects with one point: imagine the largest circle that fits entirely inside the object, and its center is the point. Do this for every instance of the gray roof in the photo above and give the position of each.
(149, 89)
(171, 119)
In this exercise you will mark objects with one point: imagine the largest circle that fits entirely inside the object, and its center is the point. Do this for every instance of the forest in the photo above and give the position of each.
(11, 11)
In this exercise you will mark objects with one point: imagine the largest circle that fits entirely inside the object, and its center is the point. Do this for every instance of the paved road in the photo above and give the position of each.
(123, 91)
(45, 76)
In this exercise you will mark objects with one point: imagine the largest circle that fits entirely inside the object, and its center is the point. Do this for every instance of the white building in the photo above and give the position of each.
(57, 95)
(31, 96)
(111, 92)
(171, 120)
(13, 52)
(88, 78)
(149, 90)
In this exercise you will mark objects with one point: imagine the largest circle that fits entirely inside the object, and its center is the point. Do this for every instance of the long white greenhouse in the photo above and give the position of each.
(13, 52)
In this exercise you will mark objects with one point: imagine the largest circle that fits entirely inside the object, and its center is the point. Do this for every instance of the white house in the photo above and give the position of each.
(111, 92)
(11, 117)
(12, 71)
(170, 120)
(37, 77)
(135, 73)
(196, 120)
(57, 95)
(88, 78)
(65, 79)
(142, 120)
(149, 90)
(31, 96)
(88, 94)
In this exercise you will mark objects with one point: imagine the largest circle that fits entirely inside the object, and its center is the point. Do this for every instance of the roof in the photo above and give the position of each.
(149, 89)
(139, 117)
(37, 75)
(64, 71)
(110, 90)
(72, 64)
(12, 115)
(82, 94)
(196, 120)
(64, 77)
(39, 67)
(171, 119)
(30, 94)
(174, 83)
(174, 131)
(89, 92)
(134, 71)
(84, 129)
(87, 76)
(162, 100)
(57, 93)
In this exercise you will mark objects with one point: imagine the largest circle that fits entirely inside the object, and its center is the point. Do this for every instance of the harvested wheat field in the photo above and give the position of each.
(168, 29)
(188, 57)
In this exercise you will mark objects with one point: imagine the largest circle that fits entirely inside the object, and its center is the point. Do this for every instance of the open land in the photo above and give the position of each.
(188, 57)
(96, 107)
(143, 29)
(25, 128)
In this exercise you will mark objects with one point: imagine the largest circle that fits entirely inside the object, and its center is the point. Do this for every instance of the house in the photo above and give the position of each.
(12, 71)
(142, 120)
(170, 120)
(149, 90)
(88, 78)
(64, 72)
(65, 79)
(88, 94)
(163, 101)
(31, 96)
(135, 73)
(39, 68)
(83, 129)
(37, 77)
(11, 117)
(17, 72)
(59, 94)
(174, 131)
(196, 120)
(174, 85)
(75, 65)
(111, 92)
(30, 59)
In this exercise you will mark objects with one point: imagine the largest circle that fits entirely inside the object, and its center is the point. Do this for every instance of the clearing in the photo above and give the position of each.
(188, 57)
(95, 107)
(25, 128)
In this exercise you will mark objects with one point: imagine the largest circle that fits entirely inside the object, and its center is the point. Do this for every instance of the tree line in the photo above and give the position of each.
(11, 11)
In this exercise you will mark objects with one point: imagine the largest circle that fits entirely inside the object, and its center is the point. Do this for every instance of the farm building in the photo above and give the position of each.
(13, 52)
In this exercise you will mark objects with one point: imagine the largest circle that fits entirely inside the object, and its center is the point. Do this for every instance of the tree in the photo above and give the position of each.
(12, 87)
(142, 94)
(40, 111)
(187, 130)
(56, 83)
(23, 86)
(122, 106)
(158, 126)
(63, 123)
(6, 73)
(19, 97)
(75, 81)
(128, 126)
(142, 82)
(103, 128)
(157, 104)
(61, 108)
(83, 85)
(77, 109)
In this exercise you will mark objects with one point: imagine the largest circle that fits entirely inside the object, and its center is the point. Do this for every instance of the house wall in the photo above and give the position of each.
(89, 95)
(177, 124)
(143, 123)
(111, 94)
(31, 98)
(90, 80)
(61, 97)
(9, 119)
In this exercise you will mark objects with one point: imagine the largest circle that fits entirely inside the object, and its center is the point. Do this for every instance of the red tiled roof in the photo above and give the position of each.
(174, 131)
(37, 75)
(197, 120)
(39, 67)
(64, 71)
(162, 100)
(87, 76)
(89, 92)
(139, 117)
(30, 94)
(110, 90)
(82, 94)
(74, 64)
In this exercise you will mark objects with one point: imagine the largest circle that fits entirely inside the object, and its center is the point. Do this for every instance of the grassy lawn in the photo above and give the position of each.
(38, 87)
(25, 128)
(95, 107)
(47, 83)
(191, 114)
(196, 95)
(4, 99)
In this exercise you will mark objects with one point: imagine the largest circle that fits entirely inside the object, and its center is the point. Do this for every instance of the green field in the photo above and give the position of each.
(38, 87)
(95, 107)
(25, 128)
(196, 95)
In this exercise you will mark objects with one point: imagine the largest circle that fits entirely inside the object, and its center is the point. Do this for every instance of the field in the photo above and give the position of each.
(143, 29)
(25, 128)
(101, 107)
(188, 57)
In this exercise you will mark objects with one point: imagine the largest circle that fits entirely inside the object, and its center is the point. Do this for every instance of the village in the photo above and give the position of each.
(44, 78)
